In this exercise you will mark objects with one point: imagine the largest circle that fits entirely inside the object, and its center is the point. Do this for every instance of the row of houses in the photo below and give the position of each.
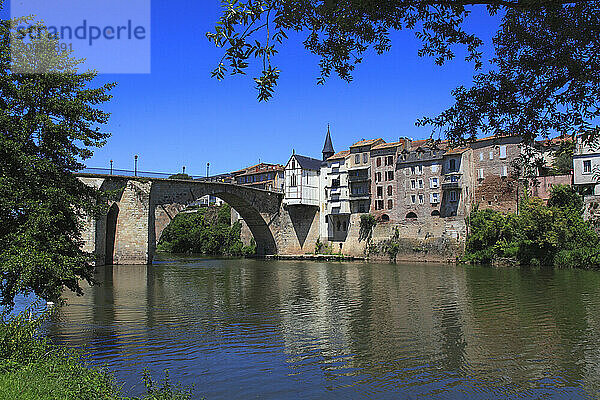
(424, 188)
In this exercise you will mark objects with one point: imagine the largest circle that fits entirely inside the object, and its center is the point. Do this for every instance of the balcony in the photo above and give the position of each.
(360, 196)
(451, 185)
(359, 178)
(452, 182)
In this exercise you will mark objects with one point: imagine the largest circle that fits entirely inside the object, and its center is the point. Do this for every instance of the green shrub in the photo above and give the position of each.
(541, 235)
(206, 231)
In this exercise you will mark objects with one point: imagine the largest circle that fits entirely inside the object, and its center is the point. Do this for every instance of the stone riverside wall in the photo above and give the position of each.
(429, 240)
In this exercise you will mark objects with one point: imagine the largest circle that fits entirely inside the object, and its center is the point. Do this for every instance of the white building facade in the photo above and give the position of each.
(586, 167)
(335, 201)
(301, 177)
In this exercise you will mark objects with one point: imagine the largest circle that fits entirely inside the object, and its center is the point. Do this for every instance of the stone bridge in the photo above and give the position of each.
(141, 208)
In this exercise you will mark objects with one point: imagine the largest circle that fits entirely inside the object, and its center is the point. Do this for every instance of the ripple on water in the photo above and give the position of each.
(248, 328)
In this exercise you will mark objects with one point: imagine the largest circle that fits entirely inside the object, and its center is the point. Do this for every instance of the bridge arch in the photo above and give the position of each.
(257, 207)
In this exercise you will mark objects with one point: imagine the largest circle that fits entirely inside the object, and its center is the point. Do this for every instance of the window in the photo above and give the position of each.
(587, 166)
(491, 154)
(293, 182)
(389, 190)
(389, 176)
(480, 173)
(420, 183)
(379, 161)
(434, 183)
(390, 204)
(335, 183)
(379, 204)
(412, 170)
(378, 177)
(434, 198)
(452, 165)
(435, 168)
(413, 184)
(390, 160)
(365, 158)
(435, 213)
(419, 169)
(385, 218)
(421, 199)
(411, 215)
(480, 156)
(504, 171)
(357, 159)
(452, 196)
(361, 207)
(379, 191)
(413, 199)
(293, 164)
(503, 151)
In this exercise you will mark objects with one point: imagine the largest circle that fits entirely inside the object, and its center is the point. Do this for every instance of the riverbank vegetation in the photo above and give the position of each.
(206, 230)
(33, 368)
(552, 234)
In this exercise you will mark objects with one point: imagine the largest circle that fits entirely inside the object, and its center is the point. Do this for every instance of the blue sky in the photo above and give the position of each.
(178, 115)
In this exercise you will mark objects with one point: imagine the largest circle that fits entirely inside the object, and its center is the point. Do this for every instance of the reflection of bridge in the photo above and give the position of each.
(141, 208)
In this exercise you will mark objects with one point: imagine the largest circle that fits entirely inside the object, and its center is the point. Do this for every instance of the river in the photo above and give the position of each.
(240, 329)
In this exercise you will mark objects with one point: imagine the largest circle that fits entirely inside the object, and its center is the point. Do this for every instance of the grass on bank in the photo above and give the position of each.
(31, 367)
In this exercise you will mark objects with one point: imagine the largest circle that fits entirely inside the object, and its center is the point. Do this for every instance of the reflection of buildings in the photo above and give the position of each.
(411, 329)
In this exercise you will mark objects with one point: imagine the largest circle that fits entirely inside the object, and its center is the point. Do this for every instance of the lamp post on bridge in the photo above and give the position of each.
(207, 169)
(183, 170)
(111, 163)
(135, 165)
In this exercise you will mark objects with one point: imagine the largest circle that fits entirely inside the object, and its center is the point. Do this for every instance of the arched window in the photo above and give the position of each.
(385, 218)
(293, 181)
(411, 215)
(390, 204)
(435, 213)
(390, 190)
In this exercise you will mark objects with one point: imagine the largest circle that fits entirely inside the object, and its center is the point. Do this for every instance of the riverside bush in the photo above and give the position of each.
(32, 368)
(546, 235)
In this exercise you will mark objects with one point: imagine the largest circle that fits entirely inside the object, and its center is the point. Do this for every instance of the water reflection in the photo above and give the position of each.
(248, 328)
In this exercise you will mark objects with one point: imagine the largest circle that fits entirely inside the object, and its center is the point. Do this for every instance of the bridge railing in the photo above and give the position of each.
(225, 178)
(127, 172)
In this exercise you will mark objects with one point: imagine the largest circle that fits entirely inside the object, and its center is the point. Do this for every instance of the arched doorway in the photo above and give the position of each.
(111, 231)
(411, 216)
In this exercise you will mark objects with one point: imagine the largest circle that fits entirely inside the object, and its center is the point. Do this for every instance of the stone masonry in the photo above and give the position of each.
(142, 208)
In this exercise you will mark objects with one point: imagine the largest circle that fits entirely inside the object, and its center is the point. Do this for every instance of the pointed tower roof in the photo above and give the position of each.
(328, 147)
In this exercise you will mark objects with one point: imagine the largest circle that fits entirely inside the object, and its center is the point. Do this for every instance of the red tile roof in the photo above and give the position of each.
(386, 145)
(339, 155)
(366, 142)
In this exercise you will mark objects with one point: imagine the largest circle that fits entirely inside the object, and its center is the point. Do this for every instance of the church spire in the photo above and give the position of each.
(328, 147)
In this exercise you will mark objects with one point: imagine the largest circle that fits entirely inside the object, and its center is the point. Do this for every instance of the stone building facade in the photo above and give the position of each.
(419, 177)
(359, 175)
(496, 183)
(384, 189)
